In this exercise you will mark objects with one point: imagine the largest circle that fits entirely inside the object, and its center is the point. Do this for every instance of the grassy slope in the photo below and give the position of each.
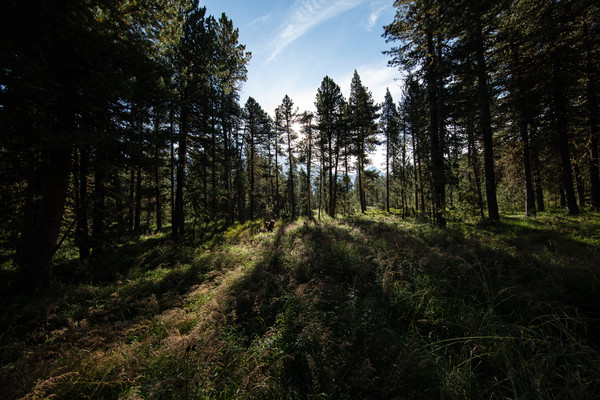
(366, 307)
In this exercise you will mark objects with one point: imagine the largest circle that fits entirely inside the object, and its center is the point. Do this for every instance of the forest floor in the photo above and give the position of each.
(360, 307)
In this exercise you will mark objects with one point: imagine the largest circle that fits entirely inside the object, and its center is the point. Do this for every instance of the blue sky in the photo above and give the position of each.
(296, 43)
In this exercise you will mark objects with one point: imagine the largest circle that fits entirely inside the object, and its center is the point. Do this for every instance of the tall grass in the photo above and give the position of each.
(363, 307)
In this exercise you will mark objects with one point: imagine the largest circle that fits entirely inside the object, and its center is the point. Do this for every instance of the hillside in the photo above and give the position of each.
(363, 307)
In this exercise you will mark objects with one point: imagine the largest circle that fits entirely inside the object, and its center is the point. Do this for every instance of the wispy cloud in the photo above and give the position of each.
(261, 20)
(369, 23)
(305, 15)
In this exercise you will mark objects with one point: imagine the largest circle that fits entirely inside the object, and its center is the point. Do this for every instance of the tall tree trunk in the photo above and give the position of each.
(251, 172)
(403, 179)
(331, 183)
(520, 110)
(474, 164)
(99, 207)
(415, 149)
(592, 108)
(172, 164)
(213, 181)
(559, 109)
(335, 178)
(486, 125)
(277, 202)
(535, 165)
(178, 216)
(36, 270)
(321, 178)
(387, 175)
(138, 200)
(157, 163)
(119, 207)
(82, 233)
(308, 170)
(529, 193)
(131, 210)
(437, 158)
(271, 176)
(579, 183)
(30, 210)
(361, 183)
(225, 127)
(291, 163)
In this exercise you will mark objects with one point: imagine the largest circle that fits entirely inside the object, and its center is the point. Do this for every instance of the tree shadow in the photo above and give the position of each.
(349, 302)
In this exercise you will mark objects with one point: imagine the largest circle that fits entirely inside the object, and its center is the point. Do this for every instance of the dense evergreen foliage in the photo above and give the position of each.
(121, 128)
(144, 128)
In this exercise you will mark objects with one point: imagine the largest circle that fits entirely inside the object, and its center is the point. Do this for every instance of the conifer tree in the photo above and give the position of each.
(363, 114)
(389, 127)
(329, 104)
(287, 117)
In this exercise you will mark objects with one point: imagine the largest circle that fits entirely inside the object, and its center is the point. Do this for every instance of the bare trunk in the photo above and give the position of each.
(437, 158)
(82, 233)
(99, 207)
(157, 162)
(138, 200)
(178, 216)
(36, 270)
(592, 106)
(486, 126)
(560, 106)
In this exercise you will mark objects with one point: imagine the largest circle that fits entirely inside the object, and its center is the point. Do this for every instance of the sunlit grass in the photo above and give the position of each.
(369, 306)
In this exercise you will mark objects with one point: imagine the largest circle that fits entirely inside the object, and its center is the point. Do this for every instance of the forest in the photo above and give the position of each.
(134, 186)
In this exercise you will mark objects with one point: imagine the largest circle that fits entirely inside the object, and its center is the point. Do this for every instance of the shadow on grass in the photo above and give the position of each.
(91, 305)
(358, 308)
(370, 309)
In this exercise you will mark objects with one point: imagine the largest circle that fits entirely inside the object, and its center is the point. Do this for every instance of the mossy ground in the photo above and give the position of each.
(361, 307)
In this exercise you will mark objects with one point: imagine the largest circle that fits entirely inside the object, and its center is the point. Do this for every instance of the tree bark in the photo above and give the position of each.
(138, 200)
(178, 216)
(82, 233)
(251, 178)
(535, 165)
(36, 270)
(486, 126)
(99, 207)
(157, 162)
(172, 158)
(520, 110)
(579, 184)
(288, 129)
(592, 106)
(437, 158)
(131, 210)
(559, 110)
(308, 170)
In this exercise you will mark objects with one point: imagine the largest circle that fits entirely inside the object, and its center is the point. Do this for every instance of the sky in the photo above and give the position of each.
(296, 43)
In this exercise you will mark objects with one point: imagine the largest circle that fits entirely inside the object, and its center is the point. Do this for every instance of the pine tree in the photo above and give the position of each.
(306, 146)
(329, 104)
(287, 119)
(418, 27)
(255, 119)
(363, 114)
(389, 126)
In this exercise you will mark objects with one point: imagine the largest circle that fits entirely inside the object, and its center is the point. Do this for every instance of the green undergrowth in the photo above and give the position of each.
(369, 306)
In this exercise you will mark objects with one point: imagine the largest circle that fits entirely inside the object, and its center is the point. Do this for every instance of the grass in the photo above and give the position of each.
(362, 307)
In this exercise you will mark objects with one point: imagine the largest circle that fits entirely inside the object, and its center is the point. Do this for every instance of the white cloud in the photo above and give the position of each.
(370, 22)
(261, 20)
(305, 15)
